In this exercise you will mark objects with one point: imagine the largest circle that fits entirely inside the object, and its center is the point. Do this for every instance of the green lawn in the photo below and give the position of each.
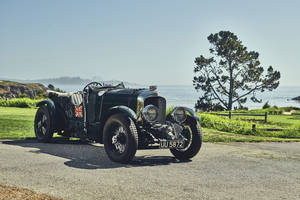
(297, 112)
(273, 121)
(242, 125)
(212, 135)
(17, 123)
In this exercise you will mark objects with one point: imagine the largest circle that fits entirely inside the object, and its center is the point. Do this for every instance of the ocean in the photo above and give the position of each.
(185, 95)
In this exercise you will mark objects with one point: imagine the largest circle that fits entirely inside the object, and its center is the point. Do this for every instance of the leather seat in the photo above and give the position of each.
(76, 98)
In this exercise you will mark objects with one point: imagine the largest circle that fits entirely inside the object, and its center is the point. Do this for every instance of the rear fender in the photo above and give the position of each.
(51, 107)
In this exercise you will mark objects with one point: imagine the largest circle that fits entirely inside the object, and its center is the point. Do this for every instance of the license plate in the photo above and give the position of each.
(171, 144)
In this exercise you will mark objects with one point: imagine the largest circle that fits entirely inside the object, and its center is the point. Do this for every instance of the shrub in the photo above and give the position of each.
(275, 107)
(51, 87)
(19, 102)
(266, 105)
(169, 109)
(289, 108)
(40, 94)
(221, 124)
(241, 108)
(23, 95)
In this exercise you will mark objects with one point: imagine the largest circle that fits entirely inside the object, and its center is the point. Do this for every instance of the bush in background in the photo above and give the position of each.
(19, 102)
(169, 109)
(51, 87)
(266, 105)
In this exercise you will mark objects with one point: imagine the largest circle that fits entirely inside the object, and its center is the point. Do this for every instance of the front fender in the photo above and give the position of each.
(190, 111)
(123, 109)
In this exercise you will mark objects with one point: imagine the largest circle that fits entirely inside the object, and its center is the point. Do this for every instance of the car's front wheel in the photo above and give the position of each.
(120, 138)
(193, 135)
(42, 124)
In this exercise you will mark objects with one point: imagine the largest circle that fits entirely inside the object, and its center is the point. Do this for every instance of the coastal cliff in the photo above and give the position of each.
(10, 89)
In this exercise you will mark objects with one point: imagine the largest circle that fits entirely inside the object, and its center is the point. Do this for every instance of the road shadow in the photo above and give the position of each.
(86, 155)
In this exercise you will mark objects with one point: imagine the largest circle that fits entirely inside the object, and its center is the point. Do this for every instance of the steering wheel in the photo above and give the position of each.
(91, 86)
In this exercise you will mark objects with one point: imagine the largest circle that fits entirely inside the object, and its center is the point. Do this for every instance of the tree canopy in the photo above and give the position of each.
(231, 74)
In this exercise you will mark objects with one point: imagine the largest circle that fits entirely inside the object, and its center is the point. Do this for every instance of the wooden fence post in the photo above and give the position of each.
(229, 114)
(266, 117)
(253, 127)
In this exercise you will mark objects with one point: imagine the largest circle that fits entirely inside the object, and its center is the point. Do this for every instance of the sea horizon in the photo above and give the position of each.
(186, 95)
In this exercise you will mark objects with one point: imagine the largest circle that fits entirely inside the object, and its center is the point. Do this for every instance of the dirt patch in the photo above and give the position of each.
(7, 192)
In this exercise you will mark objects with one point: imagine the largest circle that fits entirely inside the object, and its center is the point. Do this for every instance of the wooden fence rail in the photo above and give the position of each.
(230, 114)
(254, 128)
(271, 129)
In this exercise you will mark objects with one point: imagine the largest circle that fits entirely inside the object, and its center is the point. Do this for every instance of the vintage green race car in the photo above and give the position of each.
(122, 119)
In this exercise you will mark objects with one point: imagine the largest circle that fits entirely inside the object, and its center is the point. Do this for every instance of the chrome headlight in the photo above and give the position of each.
(150, 113)
(179, 115)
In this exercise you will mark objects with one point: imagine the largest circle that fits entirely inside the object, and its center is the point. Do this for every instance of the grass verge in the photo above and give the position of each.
(16, 123)
(212, 135)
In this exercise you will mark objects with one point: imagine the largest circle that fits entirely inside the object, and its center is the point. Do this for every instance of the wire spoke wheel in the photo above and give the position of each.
(120, 138)
(188, 135)
(193, 135)
(42, 125)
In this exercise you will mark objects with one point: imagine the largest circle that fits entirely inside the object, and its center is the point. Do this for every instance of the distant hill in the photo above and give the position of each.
(66, 80)
(296, 98)
(11, 89)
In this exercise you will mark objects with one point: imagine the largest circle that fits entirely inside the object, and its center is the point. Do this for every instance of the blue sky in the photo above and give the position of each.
(147, 42)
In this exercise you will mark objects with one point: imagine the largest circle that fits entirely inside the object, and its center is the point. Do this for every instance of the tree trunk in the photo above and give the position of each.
(229, 107)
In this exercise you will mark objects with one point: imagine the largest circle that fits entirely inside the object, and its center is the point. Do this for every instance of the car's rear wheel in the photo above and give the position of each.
(193, 134)
(120, 138)
(42, 124)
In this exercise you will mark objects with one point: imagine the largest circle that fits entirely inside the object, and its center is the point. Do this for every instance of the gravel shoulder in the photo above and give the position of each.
(70, 170)
(7, 192)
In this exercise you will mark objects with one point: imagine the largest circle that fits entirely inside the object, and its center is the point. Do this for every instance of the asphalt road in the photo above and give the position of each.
(72, 170)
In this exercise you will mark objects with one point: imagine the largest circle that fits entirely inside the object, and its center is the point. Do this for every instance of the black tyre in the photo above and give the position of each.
(43, 125)
(120, 138)
(193, 145)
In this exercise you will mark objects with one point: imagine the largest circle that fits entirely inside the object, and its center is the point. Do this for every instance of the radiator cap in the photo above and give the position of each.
(152, 87)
